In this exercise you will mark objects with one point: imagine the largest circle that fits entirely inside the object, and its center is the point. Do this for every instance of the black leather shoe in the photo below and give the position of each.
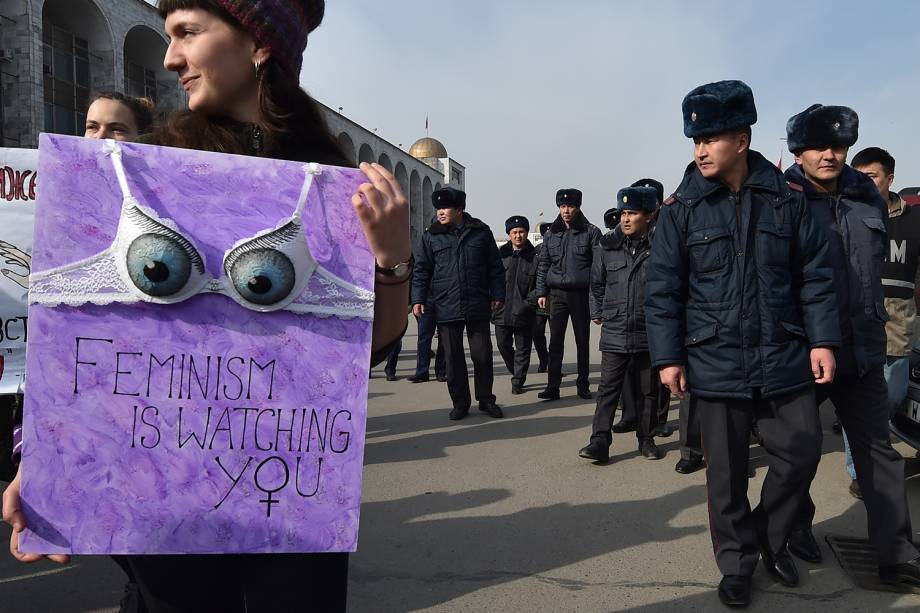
(597, 450)
(418, 379)
(908, 572)
(391, 376)
(548, 394)
(456, 414)
(649, 450)
(735, 590)
(802, 544)
(442, 378)
(664, 431)
(517, 390)
(685, 466)
(780, 566)
(622, 427)
(541, 368)
(585, 394)
(491, 409)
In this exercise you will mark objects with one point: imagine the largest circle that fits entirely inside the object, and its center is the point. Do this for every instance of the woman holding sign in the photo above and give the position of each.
(239, 61)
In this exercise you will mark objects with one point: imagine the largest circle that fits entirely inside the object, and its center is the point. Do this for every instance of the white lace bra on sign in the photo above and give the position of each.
(150, 260)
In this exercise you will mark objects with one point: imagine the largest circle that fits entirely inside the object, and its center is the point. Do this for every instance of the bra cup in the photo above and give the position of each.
(297, 251)
(131, 226)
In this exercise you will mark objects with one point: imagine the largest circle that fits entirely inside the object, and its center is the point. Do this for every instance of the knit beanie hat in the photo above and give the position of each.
(282, 26)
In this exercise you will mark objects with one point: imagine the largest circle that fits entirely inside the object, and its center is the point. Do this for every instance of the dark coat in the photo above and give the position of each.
(566, 255)
(854, 220)
(740, 299)
(544, 312)
(520, 306)
(618, 291)
(460, 271)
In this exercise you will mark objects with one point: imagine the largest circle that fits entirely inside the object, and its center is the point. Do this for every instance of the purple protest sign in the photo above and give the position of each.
(200, 329)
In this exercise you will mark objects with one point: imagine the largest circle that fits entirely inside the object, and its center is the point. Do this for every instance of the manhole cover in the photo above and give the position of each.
(858, 560)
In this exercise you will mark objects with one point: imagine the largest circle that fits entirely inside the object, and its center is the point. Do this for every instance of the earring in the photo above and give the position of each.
(258, 66)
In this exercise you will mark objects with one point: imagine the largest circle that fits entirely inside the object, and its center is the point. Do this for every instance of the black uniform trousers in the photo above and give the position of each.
(862, 408)
(791, 435)
(691, 445)
(479, 334)
(258, 583)
(427, 325)
(565, 304)
(630, 410)
(616, 368)
(539, 339)
(514, 345)
(393, 359)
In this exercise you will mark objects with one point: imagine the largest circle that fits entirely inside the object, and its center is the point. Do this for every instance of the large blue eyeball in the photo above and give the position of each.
(158, 265)
(263, 276)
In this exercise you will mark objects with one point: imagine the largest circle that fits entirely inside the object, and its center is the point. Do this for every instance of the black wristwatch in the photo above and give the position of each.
(397, 273)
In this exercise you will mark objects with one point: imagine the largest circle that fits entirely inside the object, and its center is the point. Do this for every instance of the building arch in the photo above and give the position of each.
(416, 210)
(348, 147)
(78, 57)
(402, 177)
(145, 76)
(366, 154)
(385, 162)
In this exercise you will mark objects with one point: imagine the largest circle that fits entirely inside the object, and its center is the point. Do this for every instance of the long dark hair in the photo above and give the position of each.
(286, 112)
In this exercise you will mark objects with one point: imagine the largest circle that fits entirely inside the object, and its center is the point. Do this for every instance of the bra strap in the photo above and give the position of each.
(113, 150)
(310, 171)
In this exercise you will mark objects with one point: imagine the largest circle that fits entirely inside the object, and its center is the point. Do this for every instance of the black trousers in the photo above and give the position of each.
(261, 583)
(791, 435)
(631, 410)
(514, 345)
(393, 359)
(862, 407)
(691, 445)
(565, 304)
(427, 325)
(539, 339)
(479, 334)
(616, 368)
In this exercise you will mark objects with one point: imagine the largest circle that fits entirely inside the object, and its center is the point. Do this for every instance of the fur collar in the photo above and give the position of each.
(527, 251)
(579, 223)
(469, 222)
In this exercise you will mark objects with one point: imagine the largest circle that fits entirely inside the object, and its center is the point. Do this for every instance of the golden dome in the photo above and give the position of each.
(428, 148)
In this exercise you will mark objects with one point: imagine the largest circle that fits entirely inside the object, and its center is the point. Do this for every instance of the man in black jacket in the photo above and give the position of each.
(848, 207)
(563, 276)
(514, 321)
(741, 313)
(618, 303)
(459, 270)
(542, 314)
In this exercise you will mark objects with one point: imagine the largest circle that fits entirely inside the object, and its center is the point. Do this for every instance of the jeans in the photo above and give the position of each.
(897, 376)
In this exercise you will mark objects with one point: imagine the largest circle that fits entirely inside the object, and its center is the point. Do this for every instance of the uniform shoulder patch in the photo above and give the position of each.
(795, 186)
(671, 200)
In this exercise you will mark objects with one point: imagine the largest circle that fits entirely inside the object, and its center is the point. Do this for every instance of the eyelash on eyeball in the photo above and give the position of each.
(146, 224)
(272, 240)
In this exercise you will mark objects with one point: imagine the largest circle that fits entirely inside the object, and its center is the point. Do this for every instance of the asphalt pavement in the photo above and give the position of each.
(502, 515)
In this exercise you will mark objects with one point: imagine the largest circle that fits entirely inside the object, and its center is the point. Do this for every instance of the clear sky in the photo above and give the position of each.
(532, 95)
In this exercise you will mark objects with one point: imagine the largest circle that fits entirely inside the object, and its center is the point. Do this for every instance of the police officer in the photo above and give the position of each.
(741, 313)
(628, 420)
(514, 321)
(563, 275)
(618, 303)
(899, 280)
(542, 315)
(460, 271)
(848, 207)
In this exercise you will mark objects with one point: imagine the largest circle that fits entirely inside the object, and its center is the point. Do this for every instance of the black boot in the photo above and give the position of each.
(685, 466)
(735, 590)
(549, 394)
(597, 450)
(649, 450)
(491, 409)
(622, 426)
